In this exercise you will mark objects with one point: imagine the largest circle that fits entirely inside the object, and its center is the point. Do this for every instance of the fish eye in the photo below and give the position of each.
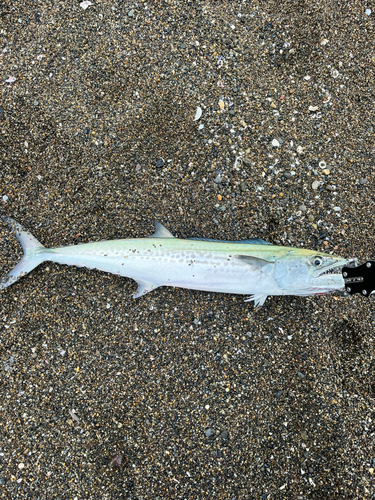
(317, 260)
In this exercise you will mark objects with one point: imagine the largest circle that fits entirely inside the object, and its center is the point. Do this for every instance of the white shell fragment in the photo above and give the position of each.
(313, 108)
(85, 4)
(300, 150)
(315, 185)
(198, 113)
(275, 143)
(11, 79)
(73, 415)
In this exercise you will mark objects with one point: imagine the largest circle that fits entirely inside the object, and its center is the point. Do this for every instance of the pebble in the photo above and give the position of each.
(160, 163)
(275, 143)
(303, 208)
(209, 432)
(310, 218)
(326, 171)
(287, 175)
(243, 186)
(315, 185)
(218, 179)
(224, 436)
(363, 180)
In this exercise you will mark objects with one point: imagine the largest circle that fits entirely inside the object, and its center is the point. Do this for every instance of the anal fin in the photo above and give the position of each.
(258, 298)
(144, 287)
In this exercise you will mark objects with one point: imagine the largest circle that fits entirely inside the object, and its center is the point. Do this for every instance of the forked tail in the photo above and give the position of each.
(32, 250)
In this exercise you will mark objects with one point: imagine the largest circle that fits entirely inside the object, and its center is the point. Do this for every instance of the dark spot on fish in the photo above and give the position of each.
(134, 251)
(154, 245)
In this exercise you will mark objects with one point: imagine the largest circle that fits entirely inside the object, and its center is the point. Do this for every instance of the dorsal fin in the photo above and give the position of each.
(252, 241)
(160, 231)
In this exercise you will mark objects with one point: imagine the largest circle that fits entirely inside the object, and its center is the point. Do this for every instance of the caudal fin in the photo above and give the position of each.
(32, 253)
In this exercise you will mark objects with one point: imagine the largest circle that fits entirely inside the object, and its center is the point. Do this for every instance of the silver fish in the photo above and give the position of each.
(249, 267)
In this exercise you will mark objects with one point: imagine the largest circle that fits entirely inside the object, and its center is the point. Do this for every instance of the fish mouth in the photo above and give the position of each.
(332, 269)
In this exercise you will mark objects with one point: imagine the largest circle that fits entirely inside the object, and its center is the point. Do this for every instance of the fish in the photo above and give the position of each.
(251, 267)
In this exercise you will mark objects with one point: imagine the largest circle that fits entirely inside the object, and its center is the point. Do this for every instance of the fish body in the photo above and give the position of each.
(249, 267)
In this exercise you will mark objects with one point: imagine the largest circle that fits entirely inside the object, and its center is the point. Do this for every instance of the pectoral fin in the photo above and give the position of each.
(144, 287)
(254, 262)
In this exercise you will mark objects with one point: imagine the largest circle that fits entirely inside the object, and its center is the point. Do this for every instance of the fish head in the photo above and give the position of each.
(304, 272)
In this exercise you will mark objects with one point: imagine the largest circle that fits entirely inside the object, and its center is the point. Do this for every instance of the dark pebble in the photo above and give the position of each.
(160, 163)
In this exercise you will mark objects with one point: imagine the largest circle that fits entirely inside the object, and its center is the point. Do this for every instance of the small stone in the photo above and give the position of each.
(287, 175)
(231, 112)
(160, 163)
(182, 46)
(273, 105)
(224, 436)
(337, 209)
(301, 375)
(275, 143)
(329, 187)
(247, 162)
(218, 179)
(209, 432)
(310, 218)
(243, 187)
(116, 460)
(326, 171)
(36, 103)
(300, 150)
(313, 108)
(315, 185)
(363, 180)
(303, 208)
(131, 13)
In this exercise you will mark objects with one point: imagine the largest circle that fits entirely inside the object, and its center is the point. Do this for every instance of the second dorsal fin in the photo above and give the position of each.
(160, 231)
